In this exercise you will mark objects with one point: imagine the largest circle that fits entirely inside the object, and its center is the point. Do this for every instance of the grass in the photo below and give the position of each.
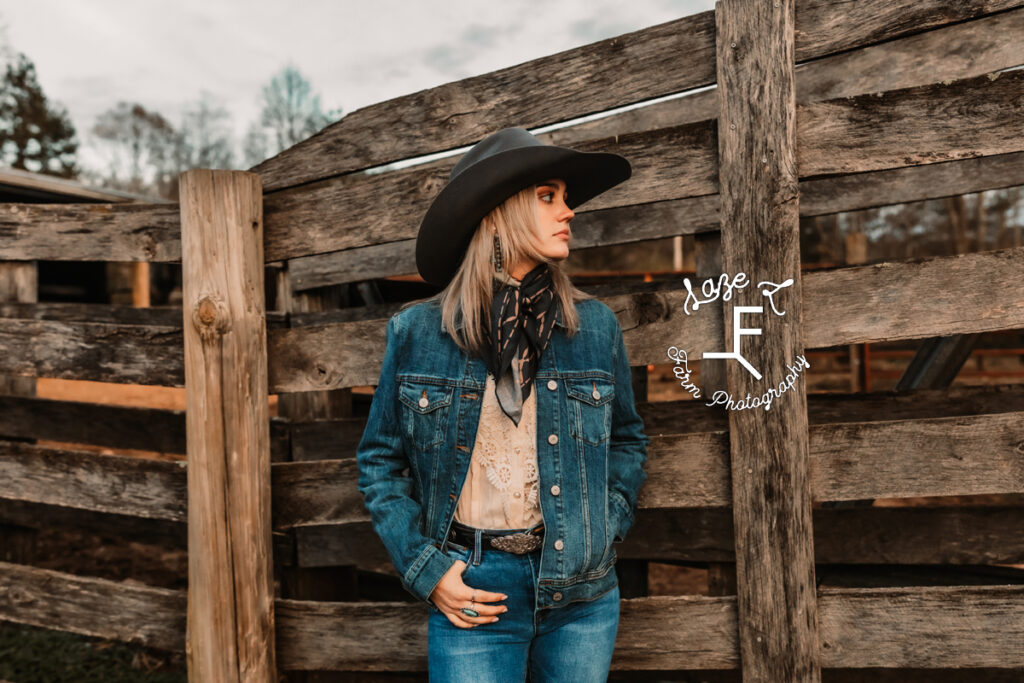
(36, 655)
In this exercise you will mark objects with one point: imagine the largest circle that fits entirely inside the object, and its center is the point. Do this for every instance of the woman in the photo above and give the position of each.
(503, 453)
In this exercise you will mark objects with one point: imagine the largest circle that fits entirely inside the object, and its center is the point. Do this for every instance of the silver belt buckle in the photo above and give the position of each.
(519, 543)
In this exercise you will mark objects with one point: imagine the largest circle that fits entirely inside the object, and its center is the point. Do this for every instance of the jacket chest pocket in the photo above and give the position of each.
(424, 412)
(590, 408)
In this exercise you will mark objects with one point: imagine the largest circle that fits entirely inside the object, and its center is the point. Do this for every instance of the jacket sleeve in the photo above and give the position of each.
(388, 491)
(628, 446)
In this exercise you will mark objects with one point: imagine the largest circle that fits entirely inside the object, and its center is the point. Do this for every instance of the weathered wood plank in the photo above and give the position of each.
(139, 354)
(922, 627)
(664, 418)
(823, 196)
(825, 27)
(461, 112)
(163, 533)
(90, 232)
(76, 422)
(959, 294)
(911, 126)
(115, 484)
(144, 615)
(159, 316)
(93, 423)
(895, 459)
(950, 626)
(952, 535)
(230, 564)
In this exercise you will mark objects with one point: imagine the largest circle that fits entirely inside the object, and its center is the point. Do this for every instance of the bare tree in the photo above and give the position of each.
(290, 110)
(137, 143)
(205, 137)
(255, 145)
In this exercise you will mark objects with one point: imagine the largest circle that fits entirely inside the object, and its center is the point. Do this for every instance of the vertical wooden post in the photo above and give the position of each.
(230, 631)
(856, 252)
(760, 237)
(19, 283)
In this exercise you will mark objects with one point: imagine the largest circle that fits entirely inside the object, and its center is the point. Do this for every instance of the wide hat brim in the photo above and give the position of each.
(456, 212)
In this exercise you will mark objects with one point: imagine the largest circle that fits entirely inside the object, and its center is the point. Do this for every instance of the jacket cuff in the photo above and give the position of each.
(621, 514)
(426, 572)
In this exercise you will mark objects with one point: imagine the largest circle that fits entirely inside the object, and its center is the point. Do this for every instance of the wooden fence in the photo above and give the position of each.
(819, 108)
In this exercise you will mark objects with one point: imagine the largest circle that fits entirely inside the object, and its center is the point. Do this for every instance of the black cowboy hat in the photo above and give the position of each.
(496, 168)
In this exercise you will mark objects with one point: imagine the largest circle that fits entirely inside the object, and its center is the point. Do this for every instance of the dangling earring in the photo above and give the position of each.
(496, 259)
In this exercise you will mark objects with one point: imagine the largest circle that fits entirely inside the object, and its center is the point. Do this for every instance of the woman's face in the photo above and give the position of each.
(553, 216)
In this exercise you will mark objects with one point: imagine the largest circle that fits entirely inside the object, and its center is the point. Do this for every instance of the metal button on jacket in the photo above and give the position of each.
(552, 384)
(424, 402)
(596, 394)
(559, 545)
(553, 439)
(555, 490)
(556, 597)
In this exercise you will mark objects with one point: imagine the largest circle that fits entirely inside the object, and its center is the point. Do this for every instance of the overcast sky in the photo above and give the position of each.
(91, 54)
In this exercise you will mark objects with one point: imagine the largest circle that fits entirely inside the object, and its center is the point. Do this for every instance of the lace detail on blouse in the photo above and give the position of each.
(503, 468)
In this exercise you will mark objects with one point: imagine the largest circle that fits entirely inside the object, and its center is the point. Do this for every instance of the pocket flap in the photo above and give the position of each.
(423, 397)
(593, 390)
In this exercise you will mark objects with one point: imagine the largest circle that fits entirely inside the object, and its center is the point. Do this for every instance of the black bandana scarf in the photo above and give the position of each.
(522, 319)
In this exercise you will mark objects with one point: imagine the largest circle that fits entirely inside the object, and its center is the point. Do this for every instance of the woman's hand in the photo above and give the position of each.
(451, 595)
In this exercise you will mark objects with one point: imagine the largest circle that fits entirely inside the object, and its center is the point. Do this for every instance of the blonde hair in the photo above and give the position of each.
(469, 293)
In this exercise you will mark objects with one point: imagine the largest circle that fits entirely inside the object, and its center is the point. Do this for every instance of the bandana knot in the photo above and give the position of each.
(522, 319)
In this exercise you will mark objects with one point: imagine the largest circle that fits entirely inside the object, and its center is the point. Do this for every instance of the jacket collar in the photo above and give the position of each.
(558, 320)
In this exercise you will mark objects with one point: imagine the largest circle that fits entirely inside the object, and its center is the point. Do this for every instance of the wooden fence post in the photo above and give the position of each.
(230, 632)
(19, 283)
(758, 186)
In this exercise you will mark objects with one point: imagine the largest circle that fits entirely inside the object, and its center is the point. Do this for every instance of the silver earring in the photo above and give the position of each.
(496, 259)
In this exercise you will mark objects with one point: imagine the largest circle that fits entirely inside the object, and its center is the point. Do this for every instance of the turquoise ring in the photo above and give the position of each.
(470, 612)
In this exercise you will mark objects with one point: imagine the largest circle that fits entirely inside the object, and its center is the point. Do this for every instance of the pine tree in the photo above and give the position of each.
(34, 136)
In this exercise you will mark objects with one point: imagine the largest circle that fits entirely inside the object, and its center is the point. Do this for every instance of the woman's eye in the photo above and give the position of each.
(547, 194)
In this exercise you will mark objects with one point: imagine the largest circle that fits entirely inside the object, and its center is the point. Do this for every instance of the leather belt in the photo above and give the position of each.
(519, 543)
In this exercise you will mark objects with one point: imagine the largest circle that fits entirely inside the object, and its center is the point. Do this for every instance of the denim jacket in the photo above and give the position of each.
(591, 447)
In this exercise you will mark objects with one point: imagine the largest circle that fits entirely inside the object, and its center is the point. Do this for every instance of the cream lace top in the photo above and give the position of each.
(501, 490)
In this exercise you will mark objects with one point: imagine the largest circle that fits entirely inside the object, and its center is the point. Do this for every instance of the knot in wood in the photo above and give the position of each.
(210, 316)
(649, 307)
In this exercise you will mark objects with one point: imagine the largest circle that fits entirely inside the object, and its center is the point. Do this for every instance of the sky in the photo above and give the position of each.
(90, 55)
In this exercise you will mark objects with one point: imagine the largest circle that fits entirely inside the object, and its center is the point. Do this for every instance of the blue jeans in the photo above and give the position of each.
(564, 644)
